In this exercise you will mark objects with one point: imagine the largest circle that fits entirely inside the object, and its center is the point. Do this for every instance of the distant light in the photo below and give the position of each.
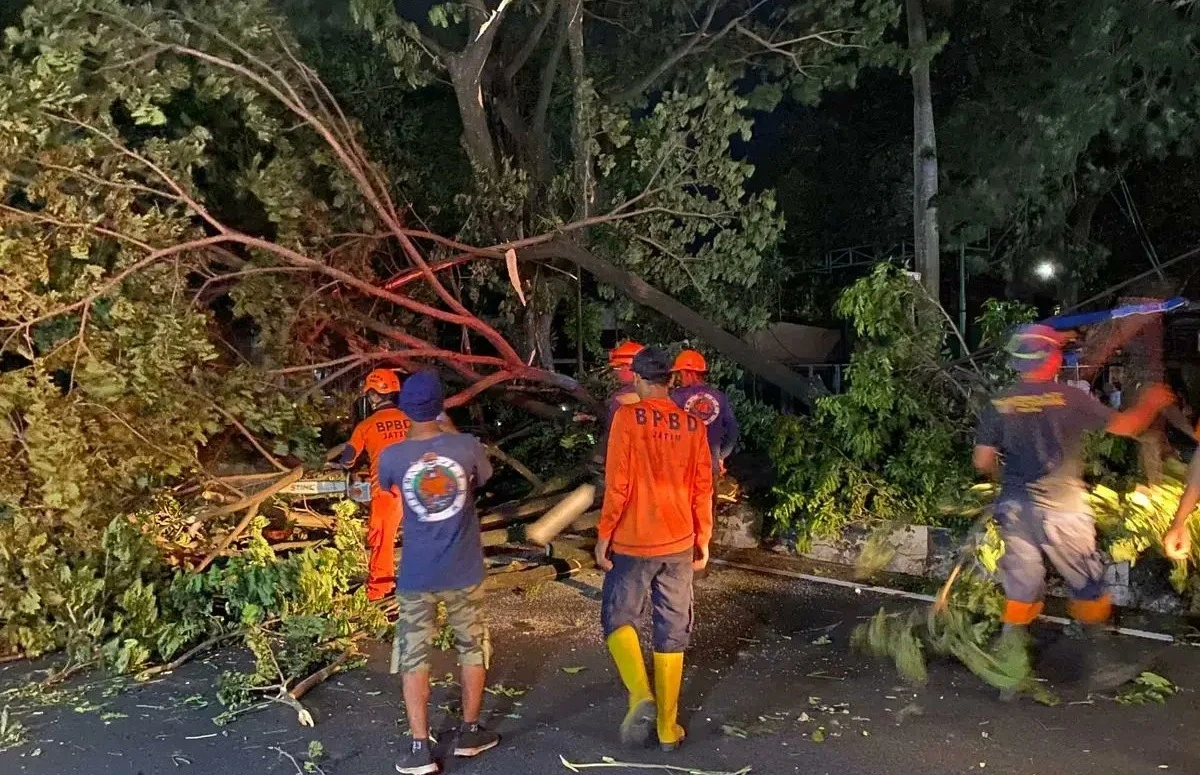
(1045, 270)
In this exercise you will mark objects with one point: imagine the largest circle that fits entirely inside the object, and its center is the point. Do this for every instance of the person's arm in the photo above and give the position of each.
(986, 456)
(702, 497)
(383, 471)
(1136, 419)
(618, 472)
(729, 429)
(1177, 543)
(354, 447)
(986, 460)
(483, 466)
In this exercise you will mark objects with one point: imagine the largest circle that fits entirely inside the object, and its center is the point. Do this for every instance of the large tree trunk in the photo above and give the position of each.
(926, 243)
(733, 348)
(466, 74)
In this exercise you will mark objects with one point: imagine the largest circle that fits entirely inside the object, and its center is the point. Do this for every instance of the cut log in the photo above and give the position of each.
(561, 515)
(536, 575)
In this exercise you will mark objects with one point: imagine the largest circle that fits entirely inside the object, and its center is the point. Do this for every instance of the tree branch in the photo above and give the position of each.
(549, 73)
(250, 437)
(532, 41)
(638, 87)
(786, 48)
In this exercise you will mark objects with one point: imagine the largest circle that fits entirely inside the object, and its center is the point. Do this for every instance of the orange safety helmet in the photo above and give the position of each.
(382, 381)
(621, 357)
(690, 360)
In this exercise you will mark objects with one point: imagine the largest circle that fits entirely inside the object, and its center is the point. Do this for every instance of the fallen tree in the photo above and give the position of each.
(196, 251)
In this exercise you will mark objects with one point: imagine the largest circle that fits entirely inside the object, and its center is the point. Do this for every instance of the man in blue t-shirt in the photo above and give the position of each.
(434, 475)
(1038, 425)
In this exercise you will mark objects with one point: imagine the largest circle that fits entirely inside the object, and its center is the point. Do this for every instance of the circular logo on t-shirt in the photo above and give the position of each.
(703, 406)
(435, 487)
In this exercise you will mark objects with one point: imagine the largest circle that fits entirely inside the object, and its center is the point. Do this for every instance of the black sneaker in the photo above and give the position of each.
(419, 760)
(474, 740)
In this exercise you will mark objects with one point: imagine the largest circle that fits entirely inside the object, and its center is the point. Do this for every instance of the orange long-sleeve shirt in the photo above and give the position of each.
(382, 429)
(658, 481)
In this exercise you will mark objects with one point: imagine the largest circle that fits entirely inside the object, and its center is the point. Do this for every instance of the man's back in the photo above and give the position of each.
(711, 407)
(380, 430)
(435, 478)
(1039, 427)
(658, 478)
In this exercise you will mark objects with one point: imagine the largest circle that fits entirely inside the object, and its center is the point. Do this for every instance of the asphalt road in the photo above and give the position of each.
(761, 681)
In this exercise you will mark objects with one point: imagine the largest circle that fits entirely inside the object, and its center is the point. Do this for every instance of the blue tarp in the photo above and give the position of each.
(1078, 320)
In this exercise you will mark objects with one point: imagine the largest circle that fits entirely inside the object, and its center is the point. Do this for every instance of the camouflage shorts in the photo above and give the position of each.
(417, 626)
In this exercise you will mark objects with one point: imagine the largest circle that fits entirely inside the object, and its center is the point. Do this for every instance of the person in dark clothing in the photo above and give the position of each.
(707, 403)
(1038, 426)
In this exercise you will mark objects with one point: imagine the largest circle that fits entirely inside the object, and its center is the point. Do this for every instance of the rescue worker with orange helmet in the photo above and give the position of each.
(383, 426)
(620, 360)
(706, 403)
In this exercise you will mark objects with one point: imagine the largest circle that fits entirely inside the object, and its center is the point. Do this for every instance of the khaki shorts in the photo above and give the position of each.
(417, 626)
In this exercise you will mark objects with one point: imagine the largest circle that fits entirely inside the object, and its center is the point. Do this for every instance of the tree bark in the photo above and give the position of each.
(581, 132)
(466, 74)
(926, 242)
(733, 348)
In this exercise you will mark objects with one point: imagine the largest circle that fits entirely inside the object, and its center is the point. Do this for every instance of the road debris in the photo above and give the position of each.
(1147, 688)
(607, 762)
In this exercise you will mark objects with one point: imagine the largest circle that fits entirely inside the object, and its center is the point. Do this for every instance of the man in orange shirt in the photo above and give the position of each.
(653, 535)
(619, 360)
(384, 426)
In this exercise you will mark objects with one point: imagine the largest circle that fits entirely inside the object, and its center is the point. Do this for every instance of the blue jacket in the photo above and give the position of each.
(712, 408)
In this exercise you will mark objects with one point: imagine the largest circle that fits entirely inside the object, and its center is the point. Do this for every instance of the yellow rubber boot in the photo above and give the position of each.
(626, 652)
(668, 677)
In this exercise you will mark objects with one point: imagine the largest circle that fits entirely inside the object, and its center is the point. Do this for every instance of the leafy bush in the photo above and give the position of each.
(896, 445)
(120, 606)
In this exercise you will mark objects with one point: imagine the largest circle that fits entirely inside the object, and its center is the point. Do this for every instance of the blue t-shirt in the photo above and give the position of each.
(435, 479)
(1039, 427)
(617, 400)
(712, 408)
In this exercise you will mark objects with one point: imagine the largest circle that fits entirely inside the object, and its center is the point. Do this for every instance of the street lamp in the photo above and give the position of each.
(1045, 270)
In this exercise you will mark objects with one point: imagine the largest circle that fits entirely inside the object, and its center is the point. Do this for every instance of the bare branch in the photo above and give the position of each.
(249, 437)
(434, 50)
(532, 41)
(385, 355)
(638, 87)
(788, 48)
(549, 73)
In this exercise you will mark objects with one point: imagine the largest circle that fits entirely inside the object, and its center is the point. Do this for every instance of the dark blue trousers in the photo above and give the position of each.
(666, 582)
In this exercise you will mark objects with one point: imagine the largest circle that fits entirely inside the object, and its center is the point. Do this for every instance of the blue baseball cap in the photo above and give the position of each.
(1031, 345)
(421, 397)
(653, 365)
